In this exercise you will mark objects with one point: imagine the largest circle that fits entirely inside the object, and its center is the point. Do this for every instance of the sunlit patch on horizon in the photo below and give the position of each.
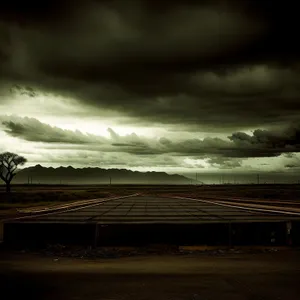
(201, 163)
(67, 113)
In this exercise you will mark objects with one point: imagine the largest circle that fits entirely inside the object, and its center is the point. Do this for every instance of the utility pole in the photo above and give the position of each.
(109, 180)
(31, 179)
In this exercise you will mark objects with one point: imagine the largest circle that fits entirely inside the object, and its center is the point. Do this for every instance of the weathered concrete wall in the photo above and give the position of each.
(37, 234)
(214, 234)
(198, 234)
(1, 230)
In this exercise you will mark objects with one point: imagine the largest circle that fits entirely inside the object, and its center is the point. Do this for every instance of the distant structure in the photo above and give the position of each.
(197, 182)
(222, 181)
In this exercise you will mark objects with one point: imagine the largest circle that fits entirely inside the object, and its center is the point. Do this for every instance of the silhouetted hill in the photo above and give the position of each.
(70, 175)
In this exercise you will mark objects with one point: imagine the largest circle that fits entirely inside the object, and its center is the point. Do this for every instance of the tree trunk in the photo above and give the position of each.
(8, 187)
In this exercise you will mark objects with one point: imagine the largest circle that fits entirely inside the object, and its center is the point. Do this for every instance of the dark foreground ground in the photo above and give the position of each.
(273, 275)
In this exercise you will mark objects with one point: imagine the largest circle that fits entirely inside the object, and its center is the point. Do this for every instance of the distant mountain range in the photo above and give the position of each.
(70, 175)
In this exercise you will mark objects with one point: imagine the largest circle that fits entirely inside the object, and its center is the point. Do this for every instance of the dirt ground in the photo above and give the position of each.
(161, 277)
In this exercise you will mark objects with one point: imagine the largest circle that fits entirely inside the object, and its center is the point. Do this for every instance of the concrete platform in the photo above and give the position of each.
(142, 219)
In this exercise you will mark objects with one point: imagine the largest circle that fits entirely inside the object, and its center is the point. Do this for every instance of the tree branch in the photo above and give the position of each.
(15, 168)
(11, 177)
(9, 163)
(2, 177)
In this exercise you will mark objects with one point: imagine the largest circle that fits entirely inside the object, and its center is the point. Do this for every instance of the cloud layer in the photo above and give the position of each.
(261, 143)
(214, 65)
(220, 79)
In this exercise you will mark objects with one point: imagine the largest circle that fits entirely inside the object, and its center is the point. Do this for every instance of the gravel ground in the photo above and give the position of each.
(81, 252)
(223, 275)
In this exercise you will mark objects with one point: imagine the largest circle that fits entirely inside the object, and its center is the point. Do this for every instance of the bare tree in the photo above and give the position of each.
(9, 163)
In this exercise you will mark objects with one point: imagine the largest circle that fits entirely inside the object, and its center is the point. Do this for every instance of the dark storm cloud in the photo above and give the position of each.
(32, 130)
(215, 64)
(288, 138)
(290, 155)
(293, 162)
(262, 143)
(292, 166)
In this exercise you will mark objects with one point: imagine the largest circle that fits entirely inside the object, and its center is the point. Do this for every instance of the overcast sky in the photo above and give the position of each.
(175, 86)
